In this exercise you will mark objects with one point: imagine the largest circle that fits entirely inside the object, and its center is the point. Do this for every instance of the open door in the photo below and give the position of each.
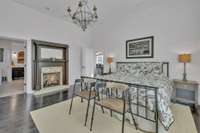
(88, 62)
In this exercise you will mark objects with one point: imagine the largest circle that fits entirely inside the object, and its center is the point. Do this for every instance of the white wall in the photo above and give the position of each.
(173, 23)
(21, 22)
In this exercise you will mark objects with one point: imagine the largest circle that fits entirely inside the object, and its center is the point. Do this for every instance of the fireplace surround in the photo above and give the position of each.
(50, 64)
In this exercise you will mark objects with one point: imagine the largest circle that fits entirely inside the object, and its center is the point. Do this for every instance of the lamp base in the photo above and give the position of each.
(184, 73)
(110, 70)
(184, 77)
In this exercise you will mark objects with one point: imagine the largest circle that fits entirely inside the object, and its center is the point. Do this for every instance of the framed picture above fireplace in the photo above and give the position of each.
(140, 48)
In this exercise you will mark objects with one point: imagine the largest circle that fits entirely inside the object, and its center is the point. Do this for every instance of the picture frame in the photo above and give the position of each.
(140, 48)
(1, 54)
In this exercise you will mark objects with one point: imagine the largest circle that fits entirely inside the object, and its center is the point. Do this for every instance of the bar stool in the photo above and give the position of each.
(84, 90)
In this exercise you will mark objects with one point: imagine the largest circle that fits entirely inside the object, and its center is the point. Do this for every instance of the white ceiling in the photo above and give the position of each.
(57, 8)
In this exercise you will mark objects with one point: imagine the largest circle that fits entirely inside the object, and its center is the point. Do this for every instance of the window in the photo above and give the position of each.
(99, 58)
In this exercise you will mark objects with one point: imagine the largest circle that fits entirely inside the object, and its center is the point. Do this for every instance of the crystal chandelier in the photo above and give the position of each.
(83, 16)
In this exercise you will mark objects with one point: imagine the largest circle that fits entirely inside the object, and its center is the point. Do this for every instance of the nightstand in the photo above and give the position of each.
(185, 92)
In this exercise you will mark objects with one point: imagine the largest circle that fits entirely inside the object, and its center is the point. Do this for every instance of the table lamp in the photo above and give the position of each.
(109, 61)
(185, 58)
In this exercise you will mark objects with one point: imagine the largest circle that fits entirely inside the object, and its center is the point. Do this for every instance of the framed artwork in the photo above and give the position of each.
(140, 48)
(1, 54)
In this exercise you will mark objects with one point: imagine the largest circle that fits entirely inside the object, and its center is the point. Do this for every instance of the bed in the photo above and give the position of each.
(152, 88)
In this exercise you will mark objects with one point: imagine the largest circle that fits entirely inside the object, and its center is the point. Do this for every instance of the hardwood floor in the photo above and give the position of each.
(15, 116)
(14, 112)
(12, 88)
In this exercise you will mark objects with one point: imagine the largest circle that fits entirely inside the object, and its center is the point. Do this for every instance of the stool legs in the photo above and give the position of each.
(70, 109)
(73, 93)
(92, 119)
(123, 118)
(88, 106)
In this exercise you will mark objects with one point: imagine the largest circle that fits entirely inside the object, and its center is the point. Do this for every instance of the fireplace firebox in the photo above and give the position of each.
(51, 76)
(51, 79)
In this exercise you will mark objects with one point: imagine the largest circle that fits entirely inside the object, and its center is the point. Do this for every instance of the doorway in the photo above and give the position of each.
(12, 66)
(88, 62)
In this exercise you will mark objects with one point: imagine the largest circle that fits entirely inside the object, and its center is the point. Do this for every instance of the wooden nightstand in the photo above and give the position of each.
(185, 92)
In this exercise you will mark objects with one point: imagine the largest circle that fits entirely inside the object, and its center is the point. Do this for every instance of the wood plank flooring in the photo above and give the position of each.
(12, 88)
(15, 117)
(14, 112)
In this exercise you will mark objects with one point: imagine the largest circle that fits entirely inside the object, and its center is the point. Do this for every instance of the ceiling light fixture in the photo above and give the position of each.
(84, 15)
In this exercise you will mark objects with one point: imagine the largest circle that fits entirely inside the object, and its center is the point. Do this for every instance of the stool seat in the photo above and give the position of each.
(86, 94)
(114, 104)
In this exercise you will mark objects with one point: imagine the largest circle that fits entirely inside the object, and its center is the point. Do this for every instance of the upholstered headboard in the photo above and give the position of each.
(145, 67)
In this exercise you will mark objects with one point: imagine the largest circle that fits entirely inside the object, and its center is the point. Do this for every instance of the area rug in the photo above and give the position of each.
(55, 119)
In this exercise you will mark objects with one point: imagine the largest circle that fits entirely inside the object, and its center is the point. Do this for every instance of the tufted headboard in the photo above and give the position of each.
(145, 67)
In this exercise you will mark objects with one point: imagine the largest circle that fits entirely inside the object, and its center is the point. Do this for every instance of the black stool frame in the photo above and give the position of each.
(92, 85)
(137, 104)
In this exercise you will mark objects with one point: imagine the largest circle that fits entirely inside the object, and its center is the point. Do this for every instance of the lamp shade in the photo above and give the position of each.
(185, 58)
(109, 60)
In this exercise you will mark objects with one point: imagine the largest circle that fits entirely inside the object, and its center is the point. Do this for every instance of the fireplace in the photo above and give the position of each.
(51, 76)
(50, 64)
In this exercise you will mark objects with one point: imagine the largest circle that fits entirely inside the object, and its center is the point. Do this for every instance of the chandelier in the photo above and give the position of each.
(83, 15)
